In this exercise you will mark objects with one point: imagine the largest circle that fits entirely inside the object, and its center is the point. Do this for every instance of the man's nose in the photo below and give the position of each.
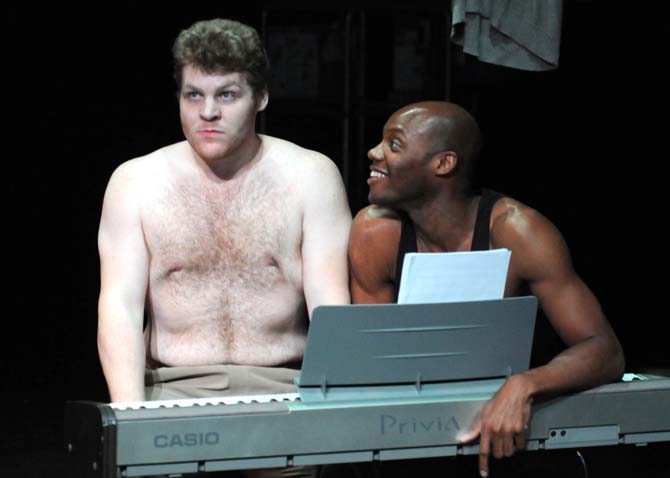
(375, 153)
(210, 110)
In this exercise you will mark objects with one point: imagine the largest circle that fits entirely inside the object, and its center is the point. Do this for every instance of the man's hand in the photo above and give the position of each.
(502, 422)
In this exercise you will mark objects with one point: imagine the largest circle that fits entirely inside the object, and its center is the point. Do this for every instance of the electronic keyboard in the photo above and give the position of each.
(378, 382)
(265, 431)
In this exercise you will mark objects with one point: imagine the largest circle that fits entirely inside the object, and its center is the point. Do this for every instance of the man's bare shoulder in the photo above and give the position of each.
(296, 159)
(311, 176)
(373, 216)
(536, 243)
(513, 221)
(373, 248)
(375, 223)
(141, 172)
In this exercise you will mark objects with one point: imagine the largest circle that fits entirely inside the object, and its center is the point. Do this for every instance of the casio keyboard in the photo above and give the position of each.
(378, 382)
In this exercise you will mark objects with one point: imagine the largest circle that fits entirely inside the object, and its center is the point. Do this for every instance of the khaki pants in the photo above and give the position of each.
(171, 383)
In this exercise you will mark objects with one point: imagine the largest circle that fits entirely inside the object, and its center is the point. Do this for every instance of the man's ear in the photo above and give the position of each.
(262, 101)
(445, 163)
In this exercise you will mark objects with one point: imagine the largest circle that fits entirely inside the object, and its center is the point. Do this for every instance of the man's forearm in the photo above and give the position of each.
(122, 355)
(593, 362)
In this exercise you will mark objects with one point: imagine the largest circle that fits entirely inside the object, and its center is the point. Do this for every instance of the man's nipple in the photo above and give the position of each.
(174, 269)
(270, 261)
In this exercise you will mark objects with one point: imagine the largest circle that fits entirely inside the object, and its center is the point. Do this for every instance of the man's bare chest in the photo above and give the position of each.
(208, 230)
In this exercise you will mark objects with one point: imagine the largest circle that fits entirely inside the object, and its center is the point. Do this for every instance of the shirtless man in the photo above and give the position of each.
(422, 168)
(228, 239)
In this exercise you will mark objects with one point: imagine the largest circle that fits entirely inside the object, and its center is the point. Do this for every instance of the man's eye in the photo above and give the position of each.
(227, 95)
(192, 95)
(394, 144)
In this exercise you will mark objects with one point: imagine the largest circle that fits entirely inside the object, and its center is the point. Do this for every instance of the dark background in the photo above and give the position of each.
(91, 87)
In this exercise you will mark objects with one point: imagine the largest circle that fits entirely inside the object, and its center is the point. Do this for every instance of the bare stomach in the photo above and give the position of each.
(206, 327)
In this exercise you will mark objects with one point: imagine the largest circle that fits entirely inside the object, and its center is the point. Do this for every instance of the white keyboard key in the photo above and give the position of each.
(189, 402)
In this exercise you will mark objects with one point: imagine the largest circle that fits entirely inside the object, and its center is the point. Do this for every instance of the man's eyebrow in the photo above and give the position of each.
(396, 129)
(229, 84)
(190, 87)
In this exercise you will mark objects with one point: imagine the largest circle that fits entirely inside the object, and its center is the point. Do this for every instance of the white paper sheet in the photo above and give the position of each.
(453, 276)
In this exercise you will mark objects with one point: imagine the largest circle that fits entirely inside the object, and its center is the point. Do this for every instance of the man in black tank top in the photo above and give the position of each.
(423, 200)
(480, 236)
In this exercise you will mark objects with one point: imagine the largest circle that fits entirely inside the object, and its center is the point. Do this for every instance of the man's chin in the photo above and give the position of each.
(210, 152)
(378, 200)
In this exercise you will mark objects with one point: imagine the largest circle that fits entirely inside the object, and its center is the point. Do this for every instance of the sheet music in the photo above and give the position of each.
(453, 276)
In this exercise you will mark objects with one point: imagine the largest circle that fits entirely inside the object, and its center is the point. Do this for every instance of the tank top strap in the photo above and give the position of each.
(407, 244)
(481, 234)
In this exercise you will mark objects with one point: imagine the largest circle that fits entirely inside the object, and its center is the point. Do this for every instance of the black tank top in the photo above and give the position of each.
(480, 236)
(546, 342)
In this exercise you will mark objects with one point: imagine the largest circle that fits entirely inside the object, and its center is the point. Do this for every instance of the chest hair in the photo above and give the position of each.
(233, 232)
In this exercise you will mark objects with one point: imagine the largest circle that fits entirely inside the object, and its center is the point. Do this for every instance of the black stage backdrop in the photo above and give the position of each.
(90, 88)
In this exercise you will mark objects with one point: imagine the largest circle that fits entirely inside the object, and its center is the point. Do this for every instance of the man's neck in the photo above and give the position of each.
(445, 222)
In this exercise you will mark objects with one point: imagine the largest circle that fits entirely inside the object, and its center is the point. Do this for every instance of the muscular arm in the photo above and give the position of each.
(124, 276)
(373, 246)
(593, 355)
(326, 224)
